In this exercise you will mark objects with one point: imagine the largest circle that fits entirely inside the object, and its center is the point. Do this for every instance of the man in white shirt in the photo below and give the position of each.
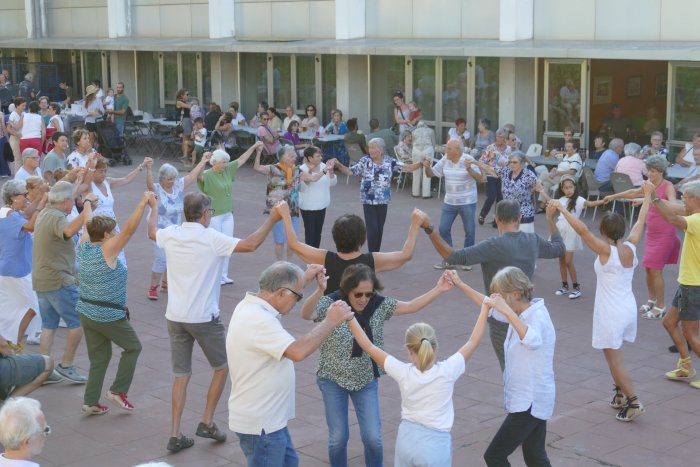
(23, 432)
(263, 380)
(291, 117)
(194, 254)
(30, 165)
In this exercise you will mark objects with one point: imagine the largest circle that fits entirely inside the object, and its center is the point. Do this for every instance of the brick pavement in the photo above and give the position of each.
(583, 431)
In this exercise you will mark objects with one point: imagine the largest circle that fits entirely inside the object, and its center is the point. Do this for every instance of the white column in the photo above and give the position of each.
(222, 18)
(349, 19)
(35, 18)
(517, 20)
(118, 18)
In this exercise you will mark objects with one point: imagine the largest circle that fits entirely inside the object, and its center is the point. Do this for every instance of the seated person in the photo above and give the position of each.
(21, 374)
(353, 137)
(390, 138)
(559, 149)
(292, 135)
(685, 155)
(607, 163)
(632, 164)
(694, 173)
(268, 135)
(337, 125)
(275, 119)
(460, 132)
(655, 147)
(223, 132)
(212, 117)
(290, 115)
(598, 148)
(570, 164)
(404, 150)
(238, 118)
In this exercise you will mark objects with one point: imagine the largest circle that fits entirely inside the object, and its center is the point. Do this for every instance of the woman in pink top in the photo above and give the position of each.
(632, 164)
(268, 135)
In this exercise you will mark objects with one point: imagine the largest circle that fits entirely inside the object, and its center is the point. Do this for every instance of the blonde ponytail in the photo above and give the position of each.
(421, 340)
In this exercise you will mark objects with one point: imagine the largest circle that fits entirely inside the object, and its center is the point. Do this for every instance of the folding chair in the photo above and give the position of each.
(354, 155)
(593, 188)
(621, 182)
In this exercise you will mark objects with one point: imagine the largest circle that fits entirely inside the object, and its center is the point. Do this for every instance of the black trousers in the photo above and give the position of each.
(493, 195)
(313, 225)
(519, 428)
(375, 216)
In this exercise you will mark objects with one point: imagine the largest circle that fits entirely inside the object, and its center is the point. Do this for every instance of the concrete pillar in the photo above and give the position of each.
(35, 17)
(517, 20)
(516, 103)
(349, 19)
(506, 91)
(118, 18)
(222, 18)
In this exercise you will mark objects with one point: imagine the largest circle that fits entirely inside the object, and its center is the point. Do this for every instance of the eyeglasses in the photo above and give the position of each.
(365, 294)
(264, 119)
(210, 210)
(300, 296)
(46, 431)
(513, 162)
(25, 194)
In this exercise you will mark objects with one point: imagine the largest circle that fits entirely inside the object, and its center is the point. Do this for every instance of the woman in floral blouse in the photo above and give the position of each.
(376, 170)
(283, 181)
(495, 155)
(344, 371)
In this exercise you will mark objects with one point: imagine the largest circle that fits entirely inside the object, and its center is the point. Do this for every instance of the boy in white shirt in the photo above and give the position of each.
(199, 135)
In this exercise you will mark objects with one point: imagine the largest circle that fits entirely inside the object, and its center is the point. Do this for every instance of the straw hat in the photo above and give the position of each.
(92, 89)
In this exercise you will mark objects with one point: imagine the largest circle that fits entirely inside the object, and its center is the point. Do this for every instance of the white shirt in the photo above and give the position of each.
(528, 379)
(578, 209)
(15, 118)
(5, 462)
(22, 173)
(452, 133)
(572, 162)
(314, 196)
(426, 398)
(194, 253)
(460, 186)
(262, 378)
(288, 120)
(75, 159)
(31, 127)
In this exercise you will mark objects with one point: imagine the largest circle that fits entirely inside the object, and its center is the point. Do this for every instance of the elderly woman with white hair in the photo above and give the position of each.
(283, 184)
(217, 182)
(19, 301)
(376, 170)
(632, 164)
(30, 164)
(170, 192)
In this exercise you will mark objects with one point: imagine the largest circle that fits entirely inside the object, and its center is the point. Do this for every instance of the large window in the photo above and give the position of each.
(685, 103)
(424, 86)
(148, 83)
(205, 98)
(281, 81)
(170, 81)
(253, 82)
(189, 73)
(455, 89)
(486, 89)
(92, 67)
(328, 85)
(306, 81)
(387, 75)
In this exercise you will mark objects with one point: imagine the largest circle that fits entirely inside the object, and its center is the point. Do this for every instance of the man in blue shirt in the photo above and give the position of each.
(607, 163)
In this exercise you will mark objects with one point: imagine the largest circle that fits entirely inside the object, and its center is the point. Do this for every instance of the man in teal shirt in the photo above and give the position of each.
(121, 103)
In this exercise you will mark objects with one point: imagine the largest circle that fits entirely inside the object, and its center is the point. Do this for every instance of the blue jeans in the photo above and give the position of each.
(57, 304)
(366, 403)
(269, 449)
(448, 216)
(120, 128)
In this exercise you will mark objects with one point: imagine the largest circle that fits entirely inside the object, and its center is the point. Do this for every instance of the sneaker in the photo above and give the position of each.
(95, 409)
(443, 265)
(153, 293)
(695, 384)
(576, 293)
(178, 444)
(119, 399)
(464, 267)
(70, 374)
(562, 291)
(226, 280)
(211, 431)
(53, 378)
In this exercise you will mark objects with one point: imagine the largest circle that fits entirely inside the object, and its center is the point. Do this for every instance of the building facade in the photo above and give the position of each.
(540, 64)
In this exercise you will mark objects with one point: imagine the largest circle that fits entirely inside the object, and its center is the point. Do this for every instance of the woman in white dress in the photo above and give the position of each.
(615, 309)
(101, 185)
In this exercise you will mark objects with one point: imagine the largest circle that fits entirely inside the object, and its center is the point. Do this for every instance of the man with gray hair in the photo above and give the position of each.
(685, 310)
(263, 379)
(30, 165)
(511, 248)
(23, 431)
(194, 254)
(607, 163)
(53, 273)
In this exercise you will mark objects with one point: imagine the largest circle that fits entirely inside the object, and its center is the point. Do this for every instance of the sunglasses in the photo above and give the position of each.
(300, 296)
(365, 294)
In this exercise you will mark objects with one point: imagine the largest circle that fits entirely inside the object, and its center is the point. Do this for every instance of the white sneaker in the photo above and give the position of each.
(562, 291)
(576, 293)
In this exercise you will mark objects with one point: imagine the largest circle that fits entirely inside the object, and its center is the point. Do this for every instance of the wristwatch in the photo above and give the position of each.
(656, 200)
(430, 229)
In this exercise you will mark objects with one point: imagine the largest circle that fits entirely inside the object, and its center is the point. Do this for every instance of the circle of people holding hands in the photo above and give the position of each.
(64, 243)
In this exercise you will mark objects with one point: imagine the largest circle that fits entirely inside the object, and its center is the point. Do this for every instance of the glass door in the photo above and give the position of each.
(565, 101)
(683, 104)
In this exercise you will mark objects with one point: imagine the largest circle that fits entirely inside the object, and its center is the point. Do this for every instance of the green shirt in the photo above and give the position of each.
(53, 161)
(53, 255)
(121, 102)
(218, 186)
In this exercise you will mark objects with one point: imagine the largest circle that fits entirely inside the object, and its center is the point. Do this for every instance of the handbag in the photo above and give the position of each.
(179, 129)
(8, 154)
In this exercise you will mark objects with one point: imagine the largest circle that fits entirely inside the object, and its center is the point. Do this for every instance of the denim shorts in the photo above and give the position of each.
(278, 230)
(57, 304)
(211, 337)
(687, 300)
(19, 370)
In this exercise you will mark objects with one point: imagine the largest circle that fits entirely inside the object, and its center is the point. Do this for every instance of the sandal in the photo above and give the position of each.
(654, 313)
(177, 444)
(631, 410)
(681, 373)
(649, 305)
(618, 400)
(481, 220)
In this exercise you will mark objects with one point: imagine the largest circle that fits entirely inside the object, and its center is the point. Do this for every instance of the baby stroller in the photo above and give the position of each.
(110, 144)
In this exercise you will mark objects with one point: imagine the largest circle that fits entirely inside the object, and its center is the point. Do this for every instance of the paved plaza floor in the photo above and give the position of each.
(583, 431)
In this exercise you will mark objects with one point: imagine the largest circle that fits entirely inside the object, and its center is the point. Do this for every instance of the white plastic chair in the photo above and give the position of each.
(535, 150)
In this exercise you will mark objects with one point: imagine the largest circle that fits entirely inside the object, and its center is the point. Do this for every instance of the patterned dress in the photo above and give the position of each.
(279, 189)
(375, 186)
(520, 189)
(101, 283)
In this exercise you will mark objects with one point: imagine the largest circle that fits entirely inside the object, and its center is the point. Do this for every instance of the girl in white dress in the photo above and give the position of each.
(427, 412)
(568, 197)
(615, 309)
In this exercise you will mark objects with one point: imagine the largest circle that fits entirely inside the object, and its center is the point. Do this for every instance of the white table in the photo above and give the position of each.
(677, 171)
(548, 161)
(160, 121)
(247, 129)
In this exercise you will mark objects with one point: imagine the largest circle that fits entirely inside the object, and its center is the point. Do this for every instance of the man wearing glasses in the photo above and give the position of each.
(194, 254)
(23, 431)
(263, 380)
